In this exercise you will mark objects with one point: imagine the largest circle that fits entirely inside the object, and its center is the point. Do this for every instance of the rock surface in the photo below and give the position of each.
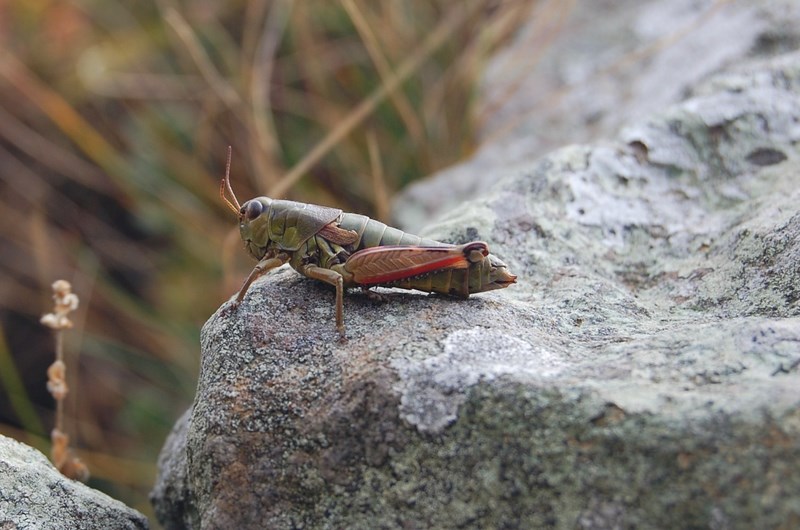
(643, 373)
(580, 74)
(34, 495)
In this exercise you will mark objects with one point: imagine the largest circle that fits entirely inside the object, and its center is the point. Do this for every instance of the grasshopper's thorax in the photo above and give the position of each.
(254, 219)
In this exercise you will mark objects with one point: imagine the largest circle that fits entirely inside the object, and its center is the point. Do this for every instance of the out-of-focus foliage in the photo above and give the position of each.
(114, 121)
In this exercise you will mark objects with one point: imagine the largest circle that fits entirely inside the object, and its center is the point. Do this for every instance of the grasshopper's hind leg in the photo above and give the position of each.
(332, 278)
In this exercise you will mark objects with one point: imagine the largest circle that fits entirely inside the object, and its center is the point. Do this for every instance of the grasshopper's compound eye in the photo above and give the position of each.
(252, 209)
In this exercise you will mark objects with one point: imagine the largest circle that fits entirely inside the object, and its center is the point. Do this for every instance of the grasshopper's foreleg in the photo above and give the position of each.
(335, 279)
(261, 268)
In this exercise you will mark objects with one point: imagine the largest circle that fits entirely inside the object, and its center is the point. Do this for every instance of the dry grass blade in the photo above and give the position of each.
(65, 117)
(263, 147)
(382, 205)
(404, 107)
(49, 153)
(455, 17)
(218, 84)
(267, 148)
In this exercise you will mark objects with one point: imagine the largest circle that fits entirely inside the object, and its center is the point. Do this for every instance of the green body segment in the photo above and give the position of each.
(372, 233)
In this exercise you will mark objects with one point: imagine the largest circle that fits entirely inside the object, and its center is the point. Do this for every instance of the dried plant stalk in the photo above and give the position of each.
(65, 301)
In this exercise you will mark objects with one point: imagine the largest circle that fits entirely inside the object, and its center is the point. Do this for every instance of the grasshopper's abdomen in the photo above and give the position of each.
(485, 275)
(372, 233)
(478, 275)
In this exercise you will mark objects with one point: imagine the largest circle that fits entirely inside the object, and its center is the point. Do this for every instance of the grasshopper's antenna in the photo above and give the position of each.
(225, 186)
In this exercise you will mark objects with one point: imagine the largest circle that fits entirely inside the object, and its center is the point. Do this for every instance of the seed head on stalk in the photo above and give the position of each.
(64, 302)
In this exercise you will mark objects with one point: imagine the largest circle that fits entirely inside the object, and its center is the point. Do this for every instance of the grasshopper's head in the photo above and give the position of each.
(254, 225)
(253, 215)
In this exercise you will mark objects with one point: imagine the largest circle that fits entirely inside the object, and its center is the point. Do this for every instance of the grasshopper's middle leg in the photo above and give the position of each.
(335, 279)
(261, 268)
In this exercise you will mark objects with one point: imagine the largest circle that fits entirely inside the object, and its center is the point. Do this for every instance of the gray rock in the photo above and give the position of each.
(580, 74)
(173, 485)
(643, 373)
(34, 495)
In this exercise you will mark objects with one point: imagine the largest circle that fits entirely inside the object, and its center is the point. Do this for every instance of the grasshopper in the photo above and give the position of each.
(349, 250)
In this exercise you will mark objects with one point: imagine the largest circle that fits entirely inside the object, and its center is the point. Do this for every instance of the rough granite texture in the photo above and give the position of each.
(643, 373)
(35, 496)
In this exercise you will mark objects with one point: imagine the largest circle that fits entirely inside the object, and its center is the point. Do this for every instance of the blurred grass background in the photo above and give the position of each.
(114, 122)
